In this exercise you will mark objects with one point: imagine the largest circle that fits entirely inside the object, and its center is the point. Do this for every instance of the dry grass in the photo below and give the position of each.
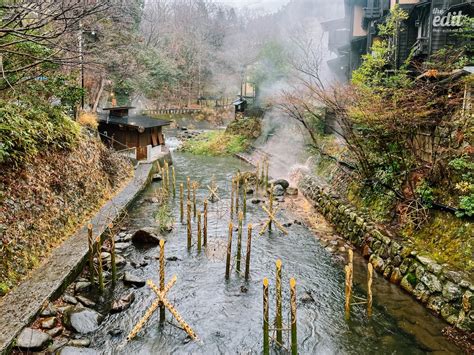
(88, 119)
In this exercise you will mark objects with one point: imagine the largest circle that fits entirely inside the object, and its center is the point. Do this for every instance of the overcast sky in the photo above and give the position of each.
(267, 5)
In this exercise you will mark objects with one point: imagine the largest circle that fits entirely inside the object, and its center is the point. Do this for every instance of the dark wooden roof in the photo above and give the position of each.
(134, 121)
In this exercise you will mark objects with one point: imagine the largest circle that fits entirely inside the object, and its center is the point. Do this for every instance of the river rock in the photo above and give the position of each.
(307, 297)
(57, 344)
(451, 291)
(55, 331)
(278, 190)
(121, 246)
(123, 303)
(157, 177)
(134, 280)
(72, 350)
(49, 311)
(292, 191)
(432, 282)
(280, 182)
(82, 320)
(32, 339)
(255, 201)
(82, 342)
(48, 323)
(70, 299)
(145, 236)
(82, 286)
(85, 301)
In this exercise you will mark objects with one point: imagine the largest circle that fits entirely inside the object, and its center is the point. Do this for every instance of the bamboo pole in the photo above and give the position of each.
(266, 174)
(244, 205)
(249, 248)
(199, 232)
(294, 341)
(370, 270)
(174, 181)
(279, 317)
(350, 255)
(100, 274)
(237, 193)
(181, 203)
(266, 338)
(232, 200)
(348, 291)
(239, 242)
(162, 279)
(270, 205)
(262, 176)
(90, 240)
(257, 183)
(189, 224)
(168, 177)
(204, 231)
(136, 329)
(188, 187)
(194, 199)
(229, 251)
(113, 264)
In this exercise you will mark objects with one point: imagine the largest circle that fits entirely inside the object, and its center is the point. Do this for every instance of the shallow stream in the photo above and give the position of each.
(227, 315)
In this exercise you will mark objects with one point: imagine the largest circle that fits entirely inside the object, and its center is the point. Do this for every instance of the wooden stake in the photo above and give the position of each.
(189, 224)
(174, 181)
(266, 338)
(370, 270)
(232, 200)
(100, 274)
(199, 230)
(239, 241)
(237, 193)
(181, 202)
(257, 183)
(204, 231)
(229, 251)
(194, 199)
(294, 342)
(266, 174)
(162, 279)
(270, 204)
(348, 291)
(249, 248)
(244, 206)
(279, 317)
(90, 240)
(188, 186)
(112, 255)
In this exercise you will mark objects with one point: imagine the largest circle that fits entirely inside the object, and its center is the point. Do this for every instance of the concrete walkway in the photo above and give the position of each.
(20, 307)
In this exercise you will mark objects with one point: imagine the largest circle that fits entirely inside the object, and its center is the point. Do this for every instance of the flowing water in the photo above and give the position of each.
(227, 315)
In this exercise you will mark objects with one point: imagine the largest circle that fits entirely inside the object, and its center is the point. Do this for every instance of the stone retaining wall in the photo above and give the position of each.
(444, 291)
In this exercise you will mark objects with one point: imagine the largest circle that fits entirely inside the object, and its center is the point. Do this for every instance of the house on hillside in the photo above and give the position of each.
(140, 137)
(431, 26)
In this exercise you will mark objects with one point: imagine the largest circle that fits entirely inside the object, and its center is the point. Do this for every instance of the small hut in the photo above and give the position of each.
(141, 136)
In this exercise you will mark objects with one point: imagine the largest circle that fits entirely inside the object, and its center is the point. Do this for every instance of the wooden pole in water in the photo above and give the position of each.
(90, 240)
(257, 182)
(249, 248)
(199, 232)
(266, 338)
(262, 176)
(232, 200)
(112, 255)
(162, 278)
(279, 317)
(229, 251)
(294, 341)
(100, 274)
(194, 199)
(239, 242)
(370, 270)
(244, 206)
(266, 174)
(188, 187)
(189, 223)
(174, 181)
(348, 290)
(237, 193)
(270, 205)
(181, 203)
(350, 255)
(204, 231)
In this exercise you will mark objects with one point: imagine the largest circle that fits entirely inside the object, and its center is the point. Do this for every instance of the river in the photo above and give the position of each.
(227, 315)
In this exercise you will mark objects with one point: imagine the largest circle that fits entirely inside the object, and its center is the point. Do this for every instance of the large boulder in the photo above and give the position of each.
(32, 339)
(82, 320)
(145, 236)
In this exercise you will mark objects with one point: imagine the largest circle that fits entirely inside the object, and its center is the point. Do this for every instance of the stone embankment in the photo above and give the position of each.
(447, 292)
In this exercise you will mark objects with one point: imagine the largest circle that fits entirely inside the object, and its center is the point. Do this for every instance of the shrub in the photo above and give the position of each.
(88, 119)
(216, 143)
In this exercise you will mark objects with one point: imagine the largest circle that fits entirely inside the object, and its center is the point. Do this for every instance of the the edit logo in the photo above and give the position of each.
(444, 20)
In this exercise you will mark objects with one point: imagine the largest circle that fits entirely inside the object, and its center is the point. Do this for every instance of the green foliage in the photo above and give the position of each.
(248, 127)
(164, 217)
(3, 289)
(464, 167)
(426, 193)
(27, 129)
(216, 143)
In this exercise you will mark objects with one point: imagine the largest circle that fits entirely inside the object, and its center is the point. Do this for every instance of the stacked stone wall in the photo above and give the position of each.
(445, 291)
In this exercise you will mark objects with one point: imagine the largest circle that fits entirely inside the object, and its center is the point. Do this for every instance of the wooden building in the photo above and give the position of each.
(142, 136)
